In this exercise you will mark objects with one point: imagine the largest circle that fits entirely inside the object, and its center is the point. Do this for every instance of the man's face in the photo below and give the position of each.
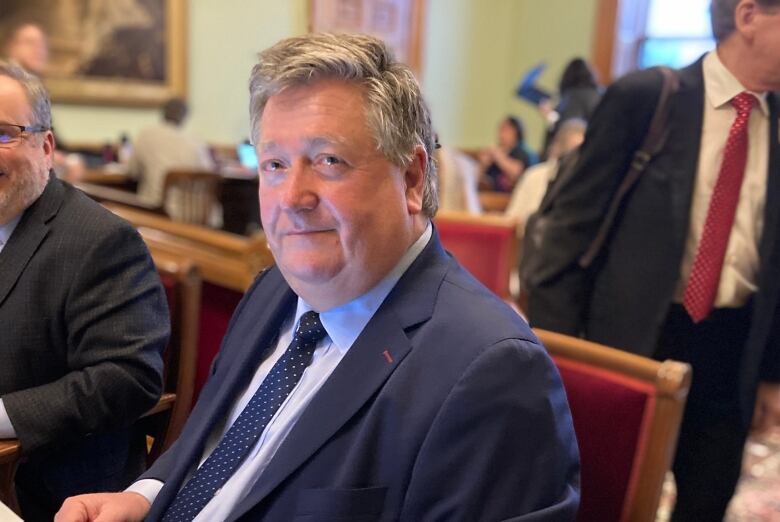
(337, 214)
(25, 164)
(766, 45)
(30, 49)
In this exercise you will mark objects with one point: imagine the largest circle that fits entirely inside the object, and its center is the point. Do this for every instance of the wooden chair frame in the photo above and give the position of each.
(165, 421)
(671, 381)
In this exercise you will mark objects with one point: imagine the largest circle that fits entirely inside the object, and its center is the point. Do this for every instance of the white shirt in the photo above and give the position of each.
(529, 192)
(343, 325)
(160, 149)
(6, 428)
(8, 229)
(739, 277)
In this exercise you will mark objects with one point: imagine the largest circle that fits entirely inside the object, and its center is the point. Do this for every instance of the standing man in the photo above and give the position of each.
(690, 271)
(367, 376)
(83, 319)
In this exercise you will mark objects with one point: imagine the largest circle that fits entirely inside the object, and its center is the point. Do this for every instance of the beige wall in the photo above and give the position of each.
(475, 52)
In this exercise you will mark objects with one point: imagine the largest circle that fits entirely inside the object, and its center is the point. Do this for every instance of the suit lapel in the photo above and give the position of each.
(251, 338)
(371, 360)
(28, 235)
(682, 145)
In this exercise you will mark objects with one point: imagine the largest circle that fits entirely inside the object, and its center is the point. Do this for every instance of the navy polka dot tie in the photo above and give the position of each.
(245, 432)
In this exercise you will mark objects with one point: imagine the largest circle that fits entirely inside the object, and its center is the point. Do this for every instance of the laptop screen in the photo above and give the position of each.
(247, 155)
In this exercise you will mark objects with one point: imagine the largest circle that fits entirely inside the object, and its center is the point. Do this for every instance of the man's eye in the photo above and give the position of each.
(271, 166)
(5, 138)
(331, 160)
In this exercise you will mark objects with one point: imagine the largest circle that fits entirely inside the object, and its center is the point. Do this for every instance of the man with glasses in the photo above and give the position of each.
(83, 319)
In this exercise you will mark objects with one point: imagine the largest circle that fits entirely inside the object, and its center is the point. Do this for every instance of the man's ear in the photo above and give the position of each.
(744, 18)
(414, 180)
(49, 145)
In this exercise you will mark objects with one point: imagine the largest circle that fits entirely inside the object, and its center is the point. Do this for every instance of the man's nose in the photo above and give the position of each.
(299, 191)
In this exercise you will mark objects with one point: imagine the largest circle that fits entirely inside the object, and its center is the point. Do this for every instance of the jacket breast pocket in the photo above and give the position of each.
(341, 505)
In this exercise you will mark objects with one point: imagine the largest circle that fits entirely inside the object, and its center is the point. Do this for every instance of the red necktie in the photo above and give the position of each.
(703, 282)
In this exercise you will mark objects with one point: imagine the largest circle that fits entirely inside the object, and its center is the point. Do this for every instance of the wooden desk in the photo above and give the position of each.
(103, 194)
(103, 176)
(225, 259)
(10, 453)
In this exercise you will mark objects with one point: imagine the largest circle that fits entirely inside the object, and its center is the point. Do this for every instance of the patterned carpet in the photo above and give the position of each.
(758, 494)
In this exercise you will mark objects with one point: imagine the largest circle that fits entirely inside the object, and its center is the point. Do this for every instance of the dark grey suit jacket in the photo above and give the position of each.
(83, 322)
(623, 301)
(465, 420)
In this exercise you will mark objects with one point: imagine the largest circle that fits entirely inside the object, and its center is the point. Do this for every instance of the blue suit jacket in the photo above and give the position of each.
(468, 422)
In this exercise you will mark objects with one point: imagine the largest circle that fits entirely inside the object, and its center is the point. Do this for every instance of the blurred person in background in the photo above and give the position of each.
(26, 45)
(504, 163)
(529, 191)
(162, 148)
(578, 95)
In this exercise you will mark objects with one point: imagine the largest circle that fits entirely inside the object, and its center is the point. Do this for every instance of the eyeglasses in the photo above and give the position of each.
(10, 134)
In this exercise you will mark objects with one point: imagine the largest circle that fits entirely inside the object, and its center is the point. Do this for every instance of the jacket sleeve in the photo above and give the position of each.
(559, 301)
(502, 447)
(117, 327)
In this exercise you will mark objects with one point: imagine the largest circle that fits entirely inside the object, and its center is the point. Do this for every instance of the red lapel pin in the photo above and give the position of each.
(388, 357)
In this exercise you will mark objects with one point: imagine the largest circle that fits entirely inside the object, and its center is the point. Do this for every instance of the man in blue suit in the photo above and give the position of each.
(367, 376)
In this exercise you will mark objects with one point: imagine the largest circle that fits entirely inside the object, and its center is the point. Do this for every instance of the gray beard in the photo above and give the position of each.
(21, 194)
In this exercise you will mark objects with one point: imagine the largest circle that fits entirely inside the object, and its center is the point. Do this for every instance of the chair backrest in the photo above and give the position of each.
(228, 264)
(191, 196)
(485, 245)
(182, 285)
(627, 411)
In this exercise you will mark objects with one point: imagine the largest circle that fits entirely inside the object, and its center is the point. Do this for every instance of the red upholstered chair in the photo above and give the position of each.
(217, 308)
(627, 411)
(182, 284)
(486, 245)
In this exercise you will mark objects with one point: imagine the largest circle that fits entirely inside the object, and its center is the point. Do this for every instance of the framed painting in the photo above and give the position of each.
(109, 52)
(398, 22)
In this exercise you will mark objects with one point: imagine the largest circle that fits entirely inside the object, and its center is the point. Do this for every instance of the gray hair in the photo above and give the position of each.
(722, 14)
(37, 95)
(396, 112)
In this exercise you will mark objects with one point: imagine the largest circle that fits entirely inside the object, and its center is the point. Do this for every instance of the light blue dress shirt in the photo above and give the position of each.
(343, 324)
(6, 428)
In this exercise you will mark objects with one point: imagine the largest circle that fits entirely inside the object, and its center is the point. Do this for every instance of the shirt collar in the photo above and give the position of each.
(345, 323)
(721, 85)
(8, 229)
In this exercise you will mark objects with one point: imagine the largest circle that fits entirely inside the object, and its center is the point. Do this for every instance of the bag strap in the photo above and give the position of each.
(653, 142)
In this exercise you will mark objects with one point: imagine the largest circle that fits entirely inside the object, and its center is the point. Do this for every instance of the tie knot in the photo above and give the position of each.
(310, 328)
(744, 103)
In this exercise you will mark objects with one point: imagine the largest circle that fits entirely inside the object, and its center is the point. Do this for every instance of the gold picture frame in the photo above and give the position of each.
(398, 22)
(111, 52)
